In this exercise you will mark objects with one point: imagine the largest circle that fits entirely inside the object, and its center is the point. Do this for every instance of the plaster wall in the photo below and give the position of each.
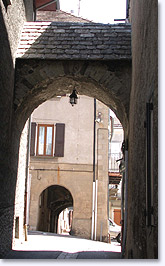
(74, 171)
(78, 122)
(102, 179)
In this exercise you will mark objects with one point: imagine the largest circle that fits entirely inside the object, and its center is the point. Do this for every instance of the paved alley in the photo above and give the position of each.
(52, 246)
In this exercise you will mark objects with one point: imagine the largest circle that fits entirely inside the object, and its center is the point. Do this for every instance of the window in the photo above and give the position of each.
(45, 140)
(17, 227)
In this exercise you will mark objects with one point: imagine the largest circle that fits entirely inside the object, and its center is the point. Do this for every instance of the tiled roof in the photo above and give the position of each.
(82, 41)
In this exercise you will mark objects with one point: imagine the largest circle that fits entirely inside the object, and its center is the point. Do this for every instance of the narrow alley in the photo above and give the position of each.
(79, 131)
(41, 245)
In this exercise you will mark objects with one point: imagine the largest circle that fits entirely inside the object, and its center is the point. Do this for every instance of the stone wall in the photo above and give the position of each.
(12, 18)
(18, 229)
(39, 80)
(141, 239)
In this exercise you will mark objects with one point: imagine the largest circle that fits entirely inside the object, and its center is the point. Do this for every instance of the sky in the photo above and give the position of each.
(103, 11)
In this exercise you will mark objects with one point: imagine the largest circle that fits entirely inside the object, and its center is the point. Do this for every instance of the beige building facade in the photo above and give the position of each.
(116, 138)
(72, 175)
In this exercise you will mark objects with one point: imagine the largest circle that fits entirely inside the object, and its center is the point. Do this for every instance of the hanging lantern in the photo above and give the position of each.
(73, 98)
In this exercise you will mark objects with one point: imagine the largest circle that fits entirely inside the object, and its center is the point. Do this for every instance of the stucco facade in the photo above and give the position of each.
(74, 171)
(116, 139)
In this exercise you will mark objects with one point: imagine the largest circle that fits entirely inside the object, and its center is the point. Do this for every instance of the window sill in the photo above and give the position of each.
(37, 157)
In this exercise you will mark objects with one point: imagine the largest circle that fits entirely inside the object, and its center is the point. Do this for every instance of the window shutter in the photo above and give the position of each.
(59, 142)
(32, 140)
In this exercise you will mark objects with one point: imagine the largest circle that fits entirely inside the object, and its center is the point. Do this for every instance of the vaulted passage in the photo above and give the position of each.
(52, 201)
(40, 80)
(53, 58)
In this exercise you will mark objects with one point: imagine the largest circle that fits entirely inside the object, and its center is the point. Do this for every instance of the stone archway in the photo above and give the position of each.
(52, 201)
(38, 81)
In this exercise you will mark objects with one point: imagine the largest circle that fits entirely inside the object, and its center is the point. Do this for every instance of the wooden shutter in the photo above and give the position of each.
(32, 140)
(59, 141)
(117, 216)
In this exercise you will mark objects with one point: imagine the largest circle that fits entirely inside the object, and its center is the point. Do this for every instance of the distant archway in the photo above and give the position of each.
(52, 201)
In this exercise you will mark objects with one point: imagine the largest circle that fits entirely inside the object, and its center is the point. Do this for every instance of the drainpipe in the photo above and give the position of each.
(27, 181)
(96, 208)
(126, 200)
(94, 174)
(93, 211)
(122, 171)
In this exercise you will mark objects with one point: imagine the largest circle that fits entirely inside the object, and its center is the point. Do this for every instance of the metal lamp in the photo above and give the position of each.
(73, 98)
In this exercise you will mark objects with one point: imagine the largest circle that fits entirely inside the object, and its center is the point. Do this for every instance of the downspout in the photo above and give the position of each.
(94, 171)
(126, 201)
(26, 212)
(96, 208)
(122, 204)
(96, 190)
(93, 212)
